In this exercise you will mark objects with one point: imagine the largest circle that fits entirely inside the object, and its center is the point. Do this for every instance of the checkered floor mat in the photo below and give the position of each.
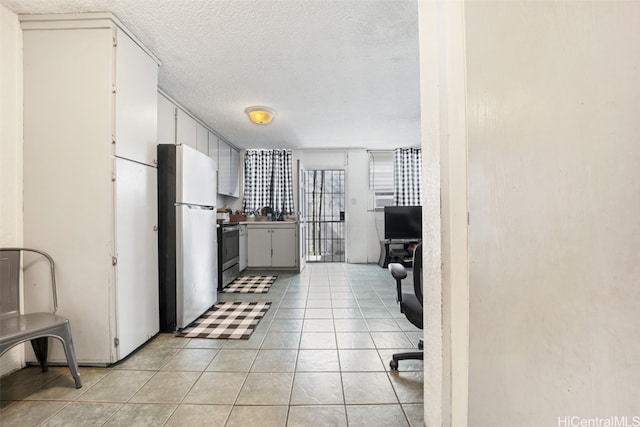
(227, 320)
(250, 285)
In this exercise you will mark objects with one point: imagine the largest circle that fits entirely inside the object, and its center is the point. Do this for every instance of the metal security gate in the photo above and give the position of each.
(324, 212)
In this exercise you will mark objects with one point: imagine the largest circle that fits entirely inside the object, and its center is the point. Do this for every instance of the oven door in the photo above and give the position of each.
(230, 246)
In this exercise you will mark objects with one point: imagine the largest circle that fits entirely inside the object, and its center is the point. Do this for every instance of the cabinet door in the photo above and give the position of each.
(137, 313)
(283, 243)
(224, 172)
(242, 262)
(186, 130)
(234, 173)
(213, 148)
(202, 139)
(166, 121)
(259, 247)
(136, 82)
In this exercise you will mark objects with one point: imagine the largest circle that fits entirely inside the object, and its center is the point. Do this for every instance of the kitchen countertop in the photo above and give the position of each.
(269, 224)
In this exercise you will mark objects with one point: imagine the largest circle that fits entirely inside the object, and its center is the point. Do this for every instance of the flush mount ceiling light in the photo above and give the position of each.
(260, 115)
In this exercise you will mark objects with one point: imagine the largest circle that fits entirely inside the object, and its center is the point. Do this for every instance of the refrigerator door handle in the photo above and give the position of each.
(192, 206)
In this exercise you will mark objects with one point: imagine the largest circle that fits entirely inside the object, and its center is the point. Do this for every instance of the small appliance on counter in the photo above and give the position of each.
(267, 212)
(222, 216)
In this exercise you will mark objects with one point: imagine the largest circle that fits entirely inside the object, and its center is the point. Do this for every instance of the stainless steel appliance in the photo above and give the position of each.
(228, 253)
(186, 235)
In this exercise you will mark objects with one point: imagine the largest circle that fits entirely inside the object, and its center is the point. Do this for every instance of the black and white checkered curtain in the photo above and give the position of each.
(258, 173)
(407, 177)
(282, 195)
(268, 181)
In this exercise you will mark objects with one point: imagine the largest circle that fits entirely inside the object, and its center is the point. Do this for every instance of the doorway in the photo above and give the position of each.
(324, 210)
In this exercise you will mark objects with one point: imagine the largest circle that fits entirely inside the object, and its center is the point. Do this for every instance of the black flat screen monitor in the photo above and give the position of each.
(403, 222)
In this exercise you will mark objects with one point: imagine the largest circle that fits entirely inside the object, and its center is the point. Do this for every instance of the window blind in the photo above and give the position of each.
(381, 170)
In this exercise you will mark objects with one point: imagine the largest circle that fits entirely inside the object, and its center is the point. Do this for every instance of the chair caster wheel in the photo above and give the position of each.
(393, 365)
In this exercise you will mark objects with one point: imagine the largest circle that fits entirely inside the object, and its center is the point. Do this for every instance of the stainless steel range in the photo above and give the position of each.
(228, 253)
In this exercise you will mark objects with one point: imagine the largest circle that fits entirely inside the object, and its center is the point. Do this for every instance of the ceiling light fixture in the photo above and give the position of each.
(260, 115)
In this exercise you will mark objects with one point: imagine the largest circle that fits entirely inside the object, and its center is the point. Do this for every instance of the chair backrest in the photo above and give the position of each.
(10, 280)
(9, 284)
(417, 272)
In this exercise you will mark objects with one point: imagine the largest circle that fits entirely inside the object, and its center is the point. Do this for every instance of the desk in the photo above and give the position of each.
(401, 255)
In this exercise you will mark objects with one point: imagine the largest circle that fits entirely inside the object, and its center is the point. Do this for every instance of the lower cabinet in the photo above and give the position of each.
(274, 246)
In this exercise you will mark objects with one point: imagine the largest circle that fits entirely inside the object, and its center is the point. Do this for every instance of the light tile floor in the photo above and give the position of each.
(319, 357)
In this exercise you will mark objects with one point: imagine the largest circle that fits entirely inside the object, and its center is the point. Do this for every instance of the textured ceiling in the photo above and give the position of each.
(338, 73)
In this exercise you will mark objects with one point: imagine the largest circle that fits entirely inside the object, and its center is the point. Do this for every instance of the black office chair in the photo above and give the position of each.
(410, 303)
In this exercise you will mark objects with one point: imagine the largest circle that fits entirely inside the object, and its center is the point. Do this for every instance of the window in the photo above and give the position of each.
(380, 179)
(381, 170)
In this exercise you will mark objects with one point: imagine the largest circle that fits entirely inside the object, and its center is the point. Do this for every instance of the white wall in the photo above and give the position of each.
(444, 212)
(10, 148)
(356, 204)
(375, 233)
(554, 155)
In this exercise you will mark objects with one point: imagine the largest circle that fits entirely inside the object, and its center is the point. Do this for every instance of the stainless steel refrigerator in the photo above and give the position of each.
(187, 238)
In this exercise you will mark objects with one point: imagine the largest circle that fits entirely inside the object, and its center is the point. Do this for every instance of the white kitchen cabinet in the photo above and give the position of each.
(224, 171)
(234, 168)
(176, 126)
(259, 247)
(283, 246)
(272, 245)
(166, 120)
(186, 129)
(228, 170)
(242, 262)
(137, 276)
(90, 202)
(202, 139)
(224, 168)
(136, 99)
(213, 148)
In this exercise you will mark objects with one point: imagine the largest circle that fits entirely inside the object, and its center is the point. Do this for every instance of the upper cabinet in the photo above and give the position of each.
(213, 147)
(186, 129)
(176, 126)
(202, 139)
(136, 84)
(228, 170)
(234, 167)
(224, 168)
(166, 120)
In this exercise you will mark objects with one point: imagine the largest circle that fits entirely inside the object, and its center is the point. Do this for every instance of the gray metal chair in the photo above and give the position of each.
(410, 303)
(17, 328)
